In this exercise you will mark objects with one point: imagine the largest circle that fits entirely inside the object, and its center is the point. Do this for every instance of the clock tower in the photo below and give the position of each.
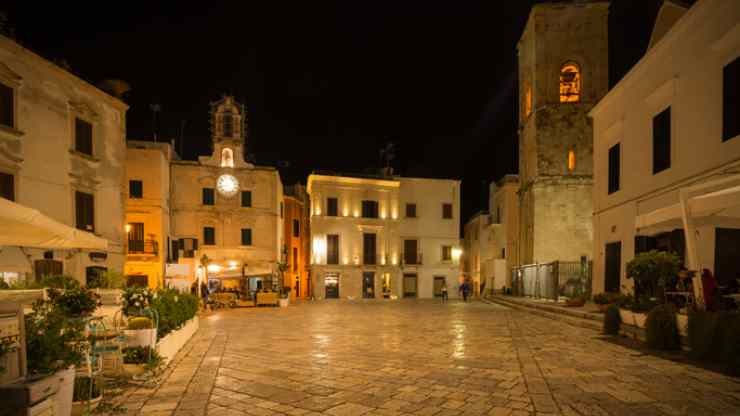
(228, 133)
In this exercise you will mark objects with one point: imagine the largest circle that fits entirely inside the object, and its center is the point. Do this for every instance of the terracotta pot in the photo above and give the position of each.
(133, 369)
(78, 408)
(575, 302)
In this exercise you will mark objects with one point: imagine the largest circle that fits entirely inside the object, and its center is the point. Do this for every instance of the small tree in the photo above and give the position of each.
(653, 271)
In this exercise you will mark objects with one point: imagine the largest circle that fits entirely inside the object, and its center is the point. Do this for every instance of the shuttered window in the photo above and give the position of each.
(296, 228)
(662, 141)
(369, 209)
(209, 236)
(246, 236)
(614, 161)
(731, 100)
(246, 199)
(83, 137)
(85, 211)
(135, 189)
(332, 207)
(7, 106)
(332, 249)
(209, 196)
(410, 210)
(46, 267)
(447, 211)
(7, 186)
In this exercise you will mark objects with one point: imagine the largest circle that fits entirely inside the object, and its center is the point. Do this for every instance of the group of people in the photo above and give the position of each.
(465, 289)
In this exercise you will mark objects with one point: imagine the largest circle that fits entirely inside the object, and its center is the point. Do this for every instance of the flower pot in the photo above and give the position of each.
(79, 408)
(134, 369)
(284, 302)
(141, 337)
(627, 316)
(65, 393)
(577, 302)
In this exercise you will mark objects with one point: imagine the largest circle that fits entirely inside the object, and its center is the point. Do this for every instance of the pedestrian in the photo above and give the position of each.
(204, 295)
(464, 288)
(444, 292)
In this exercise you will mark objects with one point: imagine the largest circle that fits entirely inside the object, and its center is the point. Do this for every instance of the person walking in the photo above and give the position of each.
(204, 295)
(464, 289)
(444, 292)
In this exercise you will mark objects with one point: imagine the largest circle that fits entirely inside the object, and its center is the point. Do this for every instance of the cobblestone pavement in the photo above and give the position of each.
(420, 358)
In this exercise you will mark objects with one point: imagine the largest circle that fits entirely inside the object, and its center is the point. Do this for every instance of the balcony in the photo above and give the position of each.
(411, 259)
(143, 247)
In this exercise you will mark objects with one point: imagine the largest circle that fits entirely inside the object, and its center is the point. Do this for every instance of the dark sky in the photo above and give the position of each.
(326, 84)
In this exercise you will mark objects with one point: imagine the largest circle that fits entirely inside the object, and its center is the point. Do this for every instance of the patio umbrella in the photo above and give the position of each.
(26, 227)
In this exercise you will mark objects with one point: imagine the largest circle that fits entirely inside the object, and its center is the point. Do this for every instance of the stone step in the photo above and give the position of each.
(572, 320)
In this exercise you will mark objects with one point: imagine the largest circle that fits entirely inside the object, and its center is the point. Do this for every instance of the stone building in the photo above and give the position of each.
(148, 246)
(297, 237)
(383, 236)
(476, 249)
(62, 152)
(226, 208)
(667, 149)
(503, 207)
(563, 72)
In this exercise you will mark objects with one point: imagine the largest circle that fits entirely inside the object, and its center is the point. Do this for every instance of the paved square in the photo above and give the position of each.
(420, 358)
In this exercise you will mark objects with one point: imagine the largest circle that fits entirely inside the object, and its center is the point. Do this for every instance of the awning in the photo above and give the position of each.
(12, 259)
(26, 227)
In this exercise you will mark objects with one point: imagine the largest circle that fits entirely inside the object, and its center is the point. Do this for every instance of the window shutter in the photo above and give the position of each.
(7, 110)
(7, 186)
(731, 100)
(83, 136)
(662, 141)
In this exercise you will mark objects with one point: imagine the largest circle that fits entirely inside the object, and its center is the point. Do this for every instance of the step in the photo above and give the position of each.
(575, 321)
(552, 308)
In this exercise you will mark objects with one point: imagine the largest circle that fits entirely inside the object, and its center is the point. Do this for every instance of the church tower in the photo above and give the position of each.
(563, 73)
(228, 133)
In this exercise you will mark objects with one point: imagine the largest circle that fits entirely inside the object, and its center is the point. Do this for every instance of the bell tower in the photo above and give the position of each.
(563, 73)
(228, 133)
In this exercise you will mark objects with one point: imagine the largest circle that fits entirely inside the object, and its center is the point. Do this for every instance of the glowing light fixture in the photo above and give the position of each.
(456, 253)
(214, 268)
(128, 228)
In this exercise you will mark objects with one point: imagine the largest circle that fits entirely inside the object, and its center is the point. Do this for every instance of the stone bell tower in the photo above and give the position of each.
(228, 133)
(563, 73)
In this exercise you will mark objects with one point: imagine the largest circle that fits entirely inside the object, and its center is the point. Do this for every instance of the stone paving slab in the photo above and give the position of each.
(419, 358)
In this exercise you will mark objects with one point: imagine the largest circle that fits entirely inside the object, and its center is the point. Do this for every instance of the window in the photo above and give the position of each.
(83, 137)
(446, 253)
(410, 210)
(614, 161)
(7, 106)
(188, 247)
(332, 249)
(228, 123)
(662, 141)
(246, 199)
(571, 160)
(296, 228)
(332, 207)
(135, 189)
(136, 237)
(85, 211)
(7, 186)
(246, 236)
(369, 209)
(503, 253)
(209, 196)
(369, 249)
(295, 259)
(731, 100)
(281, 210)
(446, 211)
(570, 83)
(227, 158)
(209, 236)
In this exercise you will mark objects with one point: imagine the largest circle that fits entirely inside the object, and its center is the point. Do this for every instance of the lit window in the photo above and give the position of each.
(227, 158)
(570, 83)
(528, 102)
(571, 160)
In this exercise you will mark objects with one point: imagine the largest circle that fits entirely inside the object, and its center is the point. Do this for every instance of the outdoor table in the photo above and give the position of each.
(687, 296)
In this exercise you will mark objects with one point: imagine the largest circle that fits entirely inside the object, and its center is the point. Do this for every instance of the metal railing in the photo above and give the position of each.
(552, 280)
(143, 247)
(411, 259)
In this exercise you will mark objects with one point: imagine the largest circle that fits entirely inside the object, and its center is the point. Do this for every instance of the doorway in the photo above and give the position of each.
(368, 285)
(331, 285)
(409, 285)
(726, 253)
(439, 282)
(613, 267)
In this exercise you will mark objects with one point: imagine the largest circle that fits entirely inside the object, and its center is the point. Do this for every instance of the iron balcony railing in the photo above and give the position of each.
(411, 259)
(143, 247)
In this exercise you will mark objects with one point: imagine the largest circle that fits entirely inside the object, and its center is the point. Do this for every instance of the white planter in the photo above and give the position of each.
(172, 342)
(141, 337)
(627, 316)
(65, 394)
(683, 324)
(79, 408)
(284, 302)
(640, 319)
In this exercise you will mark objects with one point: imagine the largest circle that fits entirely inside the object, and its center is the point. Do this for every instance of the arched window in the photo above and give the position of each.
(570, 83)
(228, 123)
(227, 158)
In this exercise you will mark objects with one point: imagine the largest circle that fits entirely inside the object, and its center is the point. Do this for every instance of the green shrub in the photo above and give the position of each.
(53, 341)
(715, 337)
(603, 298)
(138, 355)
(139, 322)
(731, 344)
(174, 309)
(612, 320)
(702, 341)
(662, 329)
(60, 282)
(75, 302)
(22, 284)
(3, 285)
(107, 280)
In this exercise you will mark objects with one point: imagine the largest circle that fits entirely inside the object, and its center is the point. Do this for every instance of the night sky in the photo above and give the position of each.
(326, 84)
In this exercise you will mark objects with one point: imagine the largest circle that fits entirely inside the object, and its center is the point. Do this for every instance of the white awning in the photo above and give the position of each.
(12, 259)
(26, 227)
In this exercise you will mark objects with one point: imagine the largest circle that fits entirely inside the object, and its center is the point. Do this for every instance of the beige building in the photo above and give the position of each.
(477, 250)
(148, 247)
(667, 148)
(563, 72)
(62, 152)
(383, 236)
(226, 208)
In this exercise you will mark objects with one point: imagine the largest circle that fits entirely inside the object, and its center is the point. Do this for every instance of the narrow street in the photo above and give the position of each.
(420, 358)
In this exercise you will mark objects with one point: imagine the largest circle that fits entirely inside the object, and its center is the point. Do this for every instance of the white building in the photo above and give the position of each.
(665, 140)
(62, 152)
(383, 236)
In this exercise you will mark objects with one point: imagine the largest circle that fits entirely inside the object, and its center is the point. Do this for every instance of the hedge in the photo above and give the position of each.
(174, 309)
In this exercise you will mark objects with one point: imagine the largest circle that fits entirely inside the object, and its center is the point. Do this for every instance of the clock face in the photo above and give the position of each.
(227, 185)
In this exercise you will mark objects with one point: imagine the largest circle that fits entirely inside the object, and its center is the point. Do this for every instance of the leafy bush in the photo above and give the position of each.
(603, 298)
(653, 271)
(174, 309)
(75, 302)
(3, 285)
(715, 337)
(108, 280)
(139, 322)
(22, 284)
(135, 300)
(643, 304)
(612, 320)
(86, 389)
(138, 355)
(60, 282)
(662, 329)
(53, 341)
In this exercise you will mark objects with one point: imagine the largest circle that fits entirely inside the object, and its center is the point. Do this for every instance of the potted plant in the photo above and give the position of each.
(653, 271)
(139, 360)
(74, 302)
(140, 332)
(603, 300)
(135, 299)
(88, 394)
(578, 299)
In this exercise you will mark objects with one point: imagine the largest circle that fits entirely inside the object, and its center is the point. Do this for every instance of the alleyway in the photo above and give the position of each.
(421, 358)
